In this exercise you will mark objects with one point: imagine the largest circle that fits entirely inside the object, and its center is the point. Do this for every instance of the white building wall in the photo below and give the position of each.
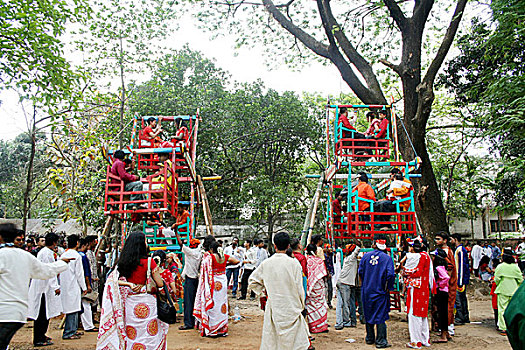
(464, 227)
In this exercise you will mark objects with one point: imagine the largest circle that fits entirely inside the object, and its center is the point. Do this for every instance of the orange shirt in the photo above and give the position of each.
(403, 192)
(183, 218)
(365, 191)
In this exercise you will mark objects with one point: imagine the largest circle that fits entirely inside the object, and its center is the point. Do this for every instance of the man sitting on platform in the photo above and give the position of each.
(399, 188)
(132, 183)
(158, 178)
(364, 191)
(338, 209)
(182, 218)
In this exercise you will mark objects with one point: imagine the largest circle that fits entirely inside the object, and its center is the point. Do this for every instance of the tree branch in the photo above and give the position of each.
(451, 126)
(396, 13)
(360, 63)
(363, 93)
(307, 40)
(421, 11)
(395, 67)
(445, 44)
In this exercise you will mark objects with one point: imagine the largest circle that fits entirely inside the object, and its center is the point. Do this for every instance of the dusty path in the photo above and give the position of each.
(246, 334)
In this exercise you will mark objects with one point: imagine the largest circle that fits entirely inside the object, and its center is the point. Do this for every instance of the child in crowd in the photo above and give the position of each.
(441, 298)
(408, 262)
(485, 272)
(175, 267)
(160, 258)
(374, 122)
(494, 302)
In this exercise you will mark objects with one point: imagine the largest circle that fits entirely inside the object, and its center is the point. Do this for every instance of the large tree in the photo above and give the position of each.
(32, 62)
(256, 138)
(488, 79)
(354, 59)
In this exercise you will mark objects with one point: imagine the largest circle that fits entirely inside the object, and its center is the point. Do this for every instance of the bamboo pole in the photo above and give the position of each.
(205, 206)
(105, 231)
(312, 211)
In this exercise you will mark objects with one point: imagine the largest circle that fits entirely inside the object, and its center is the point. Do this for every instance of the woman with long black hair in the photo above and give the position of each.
(129, 311)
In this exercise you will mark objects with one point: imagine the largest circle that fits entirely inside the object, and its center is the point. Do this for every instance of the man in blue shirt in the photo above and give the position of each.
(496, 255)
(87, 316)
(376, 271)
(463, 270)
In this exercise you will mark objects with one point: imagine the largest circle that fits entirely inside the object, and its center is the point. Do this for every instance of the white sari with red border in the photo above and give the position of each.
(211, 302)
(128, 321)
(316, 305)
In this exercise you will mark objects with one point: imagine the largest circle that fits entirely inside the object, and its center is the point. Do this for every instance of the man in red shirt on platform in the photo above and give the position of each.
(337, 208)
(345, 122)
(132, 183)
(364, 191)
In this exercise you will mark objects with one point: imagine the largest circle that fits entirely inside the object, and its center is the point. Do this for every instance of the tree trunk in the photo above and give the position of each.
(271, 223)
(122, 97)
(417, 107)
(29, 179)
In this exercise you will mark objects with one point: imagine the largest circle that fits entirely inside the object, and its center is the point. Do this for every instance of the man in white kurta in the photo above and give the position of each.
(476, 254)
(17, 267)
(44, 295)
(284, 325)
(72, 285)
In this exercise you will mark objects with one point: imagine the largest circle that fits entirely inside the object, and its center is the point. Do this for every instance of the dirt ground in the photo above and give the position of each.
(246, 334)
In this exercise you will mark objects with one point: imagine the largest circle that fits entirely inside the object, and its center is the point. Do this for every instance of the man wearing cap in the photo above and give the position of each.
(346, 285)
(364, 191)
(190, 274)
(376, 271)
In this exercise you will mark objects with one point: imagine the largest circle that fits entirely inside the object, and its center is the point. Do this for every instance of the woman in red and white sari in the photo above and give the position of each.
(316, 306)
(128, 319)
(211, 302)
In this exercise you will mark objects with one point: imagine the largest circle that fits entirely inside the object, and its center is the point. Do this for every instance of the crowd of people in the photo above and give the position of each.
(295, 288)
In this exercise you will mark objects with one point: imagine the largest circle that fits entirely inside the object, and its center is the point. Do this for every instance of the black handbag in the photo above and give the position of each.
(166, 311)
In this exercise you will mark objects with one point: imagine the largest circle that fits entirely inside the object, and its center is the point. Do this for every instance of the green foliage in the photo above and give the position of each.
(31, 53)
(488, 78)
(13, 169)
(77, 168)
(463, 173)
(255, 138)
(123, 36)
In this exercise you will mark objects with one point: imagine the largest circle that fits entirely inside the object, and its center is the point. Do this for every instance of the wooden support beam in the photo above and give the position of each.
(312, 211)
(105, 231)
(205, 206)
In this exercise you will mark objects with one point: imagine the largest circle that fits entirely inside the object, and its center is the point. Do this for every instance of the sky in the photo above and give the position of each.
(245, 65)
